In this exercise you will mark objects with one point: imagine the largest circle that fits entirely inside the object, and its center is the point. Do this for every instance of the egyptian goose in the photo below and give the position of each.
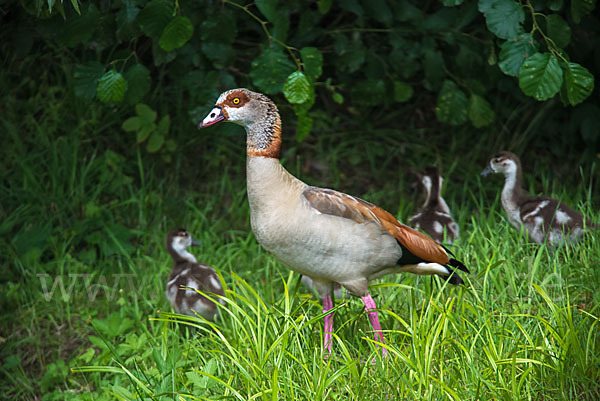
(325, 235)
(545, 219)
(434, 217)
(187, 272)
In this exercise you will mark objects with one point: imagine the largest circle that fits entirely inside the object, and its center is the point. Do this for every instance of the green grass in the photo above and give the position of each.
(524, 327)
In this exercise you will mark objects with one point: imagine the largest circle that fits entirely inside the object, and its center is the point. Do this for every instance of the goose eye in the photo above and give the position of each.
(236, 100)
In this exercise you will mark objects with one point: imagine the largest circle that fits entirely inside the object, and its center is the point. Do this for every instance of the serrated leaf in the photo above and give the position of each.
(155, 16)
(558, 30)
(296, 88)
(312, 61)
(268, 8)
(111, 87)
(85, 79)
(503, 17)
(132, 124)
(138, 83)
(155, 142)
(540, 76)
(452, 104)
(163, 125)
(176, 34)
(402, 91)
(579, 83)
(480, 111)
(514, 52)
(270, 70)
(581, 8)
(145, 112)
(304, 126)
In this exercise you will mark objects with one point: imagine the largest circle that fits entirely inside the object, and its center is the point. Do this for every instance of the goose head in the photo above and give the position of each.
(253, 111)
(503, 162)
(178, 241)
(240, 106)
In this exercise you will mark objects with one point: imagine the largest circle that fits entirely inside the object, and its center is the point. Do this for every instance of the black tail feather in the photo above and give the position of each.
(459, 265)
(453, 278)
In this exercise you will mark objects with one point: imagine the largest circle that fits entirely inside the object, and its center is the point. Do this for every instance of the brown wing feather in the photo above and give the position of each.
(328, 201)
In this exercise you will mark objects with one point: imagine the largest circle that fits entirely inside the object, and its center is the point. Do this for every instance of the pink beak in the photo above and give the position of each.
(215, 115)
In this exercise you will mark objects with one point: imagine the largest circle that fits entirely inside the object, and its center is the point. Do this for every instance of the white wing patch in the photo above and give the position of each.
(561, 217)
(535, 211)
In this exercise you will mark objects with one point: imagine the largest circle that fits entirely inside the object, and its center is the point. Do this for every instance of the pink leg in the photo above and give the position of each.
(370, 307)
(328, 325)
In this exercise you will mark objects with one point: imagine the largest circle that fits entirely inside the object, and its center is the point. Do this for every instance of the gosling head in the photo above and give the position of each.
(504, 162)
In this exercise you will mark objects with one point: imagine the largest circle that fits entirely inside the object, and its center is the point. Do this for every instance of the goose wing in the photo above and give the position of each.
(328, 201)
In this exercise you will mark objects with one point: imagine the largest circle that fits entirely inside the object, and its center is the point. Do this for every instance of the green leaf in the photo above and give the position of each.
(503, 17)
(155, 142)
(75, 4)
(402, 91)
(171, 145)
(270, 70)
(155, 16)
(111, 87)
(581, 8)
(514, 52)
(312, 61)
(558, 30)
(268, 8)
(145, 112)
(79, 29)
(452, 3)
(144, 132)
(555, 5)
(452, 104)
(176, 33)
(221, 28)
(368, 92)
(304, 126)
(132, 124)
(296, 88)
(163, 125)
(380, 11)
(480, 111)
(579, 83)
(540, 76)
(324, 6)
(433, 65)
(85, 79)
(138, 83)
(338, 98)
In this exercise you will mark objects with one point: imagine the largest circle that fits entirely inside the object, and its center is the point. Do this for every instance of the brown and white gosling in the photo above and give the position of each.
(187, 272)
(434, 217)
(544, 218)
(323, 234)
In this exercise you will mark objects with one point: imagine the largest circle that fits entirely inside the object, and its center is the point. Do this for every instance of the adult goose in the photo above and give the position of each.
(544, 218)
(187, 272)
(434, 216)
(323, 234)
